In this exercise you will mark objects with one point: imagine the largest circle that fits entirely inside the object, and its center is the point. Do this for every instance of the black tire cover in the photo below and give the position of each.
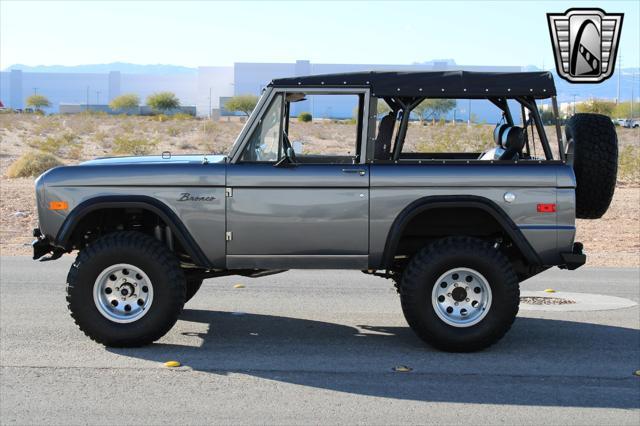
(593, 141)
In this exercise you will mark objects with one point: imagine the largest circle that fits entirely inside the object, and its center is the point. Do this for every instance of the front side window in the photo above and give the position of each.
(264, 144)
(322, 128)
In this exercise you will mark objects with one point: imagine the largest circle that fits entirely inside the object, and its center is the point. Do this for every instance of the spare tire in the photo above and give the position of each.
(592, 148)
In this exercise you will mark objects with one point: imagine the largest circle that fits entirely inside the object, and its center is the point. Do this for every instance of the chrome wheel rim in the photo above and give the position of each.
(123, 293)
(461, 297)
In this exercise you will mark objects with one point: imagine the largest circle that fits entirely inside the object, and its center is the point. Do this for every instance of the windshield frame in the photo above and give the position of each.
(268, 95)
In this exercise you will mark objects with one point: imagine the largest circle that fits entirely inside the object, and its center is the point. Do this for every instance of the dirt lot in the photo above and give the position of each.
(611, 241)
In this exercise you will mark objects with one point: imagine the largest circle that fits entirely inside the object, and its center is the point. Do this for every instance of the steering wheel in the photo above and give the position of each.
(289, 152)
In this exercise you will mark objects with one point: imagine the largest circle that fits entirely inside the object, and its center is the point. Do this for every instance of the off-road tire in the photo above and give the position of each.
(144, 252)
(192, 285)
(595, 162)
(421, 276)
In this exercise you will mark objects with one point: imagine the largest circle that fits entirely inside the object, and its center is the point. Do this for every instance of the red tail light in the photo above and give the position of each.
(546, 208)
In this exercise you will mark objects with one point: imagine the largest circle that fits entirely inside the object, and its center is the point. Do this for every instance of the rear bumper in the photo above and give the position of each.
(575, 259)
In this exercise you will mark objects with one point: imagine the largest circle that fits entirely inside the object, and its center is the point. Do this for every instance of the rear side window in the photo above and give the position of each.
(459, 129)
(452, 125)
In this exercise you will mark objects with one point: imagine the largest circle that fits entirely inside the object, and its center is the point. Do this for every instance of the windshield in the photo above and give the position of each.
(247, 123)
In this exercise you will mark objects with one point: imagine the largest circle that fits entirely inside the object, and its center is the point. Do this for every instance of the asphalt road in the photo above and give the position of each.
(315, 347)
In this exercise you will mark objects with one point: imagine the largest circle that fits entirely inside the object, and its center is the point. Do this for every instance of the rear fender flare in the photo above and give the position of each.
(464, 201)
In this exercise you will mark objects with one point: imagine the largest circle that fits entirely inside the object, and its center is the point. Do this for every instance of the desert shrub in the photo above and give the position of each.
(623, 110)
(629, 164)
(32, 163)
(174, 131)
(47, 125)
(7, 122)
(128, 101)
(82, 124)
(102, 138)
(182, 116)
(91, 113)
(67, 145)
(459, 138)
(126, 126)
(597, 106)
(305, 117)
(131, 145)
(209, 127)
(187, 145)
(163, 101)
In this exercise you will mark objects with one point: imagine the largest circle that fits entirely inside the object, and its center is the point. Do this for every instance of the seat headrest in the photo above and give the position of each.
(498, 132)
(386, 125)
(513, 139)
(391, 116)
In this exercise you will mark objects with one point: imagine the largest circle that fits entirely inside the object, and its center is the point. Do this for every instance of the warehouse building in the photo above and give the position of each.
(203, 88)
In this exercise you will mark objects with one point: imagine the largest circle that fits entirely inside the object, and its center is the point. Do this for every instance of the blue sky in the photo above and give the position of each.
(220, 33)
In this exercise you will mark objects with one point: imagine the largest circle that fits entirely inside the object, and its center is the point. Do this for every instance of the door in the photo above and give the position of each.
(304, 210)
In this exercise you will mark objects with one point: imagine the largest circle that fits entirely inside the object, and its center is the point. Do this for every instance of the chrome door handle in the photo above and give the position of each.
(361, 172)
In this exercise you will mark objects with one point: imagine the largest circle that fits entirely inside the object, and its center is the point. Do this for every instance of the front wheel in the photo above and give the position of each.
(126, 289)
(193, 285)
(460, 294)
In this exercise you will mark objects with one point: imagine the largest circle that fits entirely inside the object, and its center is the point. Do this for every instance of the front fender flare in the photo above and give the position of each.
(167, 215)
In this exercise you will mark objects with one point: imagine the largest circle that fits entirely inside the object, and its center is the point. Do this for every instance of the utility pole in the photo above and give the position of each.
(35, 90)
(619, 74)
(633, 83)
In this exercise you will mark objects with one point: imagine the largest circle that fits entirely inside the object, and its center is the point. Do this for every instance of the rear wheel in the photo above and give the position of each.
(126, 289)
(460, 294)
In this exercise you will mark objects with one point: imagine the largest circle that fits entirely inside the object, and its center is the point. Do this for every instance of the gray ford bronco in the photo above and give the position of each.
(455, 231)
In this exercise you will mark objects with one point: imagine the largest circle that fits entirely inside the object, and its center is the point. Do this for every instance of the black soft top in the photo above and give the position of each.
(434, 84)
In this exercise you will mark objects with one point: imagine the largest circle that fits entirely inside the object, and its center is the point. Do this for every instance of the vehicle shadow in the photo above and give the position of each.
(540, 362)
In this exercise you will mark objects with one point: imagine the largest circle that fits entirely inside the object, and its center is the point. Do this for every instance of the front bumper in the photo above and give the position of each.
(41, 247)
(575, 259)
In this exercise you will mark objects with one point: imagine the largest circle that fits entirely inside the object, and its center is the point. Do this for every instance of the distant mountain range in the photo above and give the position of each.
(608, 89)
(123, 67)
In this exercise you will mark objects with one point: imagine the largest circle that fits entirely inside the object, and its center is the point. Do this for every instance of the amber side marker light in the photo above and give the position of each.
(58, 205)
(546, 208)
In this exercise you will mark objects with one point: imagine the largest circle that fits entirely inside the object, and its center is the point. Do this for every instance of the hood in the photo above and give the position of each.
(150, 171)
(155, 159)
